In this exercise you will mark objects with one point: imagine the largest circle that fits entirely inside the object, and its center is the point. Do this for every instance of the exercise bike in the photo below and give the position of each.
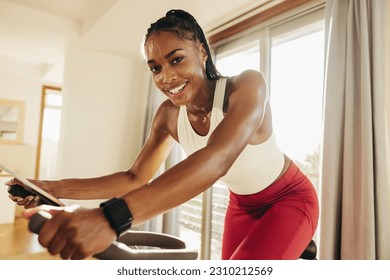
(130, 245)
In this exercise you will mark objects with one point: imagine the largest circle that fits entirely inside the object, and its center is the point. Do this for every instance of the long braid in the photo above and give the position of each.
(185, 26)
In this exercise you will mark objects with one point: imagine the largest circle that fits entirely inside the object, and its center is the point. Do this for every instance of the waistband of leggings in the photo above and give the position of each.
(280, 185)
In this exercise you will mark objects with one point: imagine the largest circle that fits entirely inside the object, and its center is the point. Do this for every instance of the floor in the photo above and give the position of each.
(18, 243)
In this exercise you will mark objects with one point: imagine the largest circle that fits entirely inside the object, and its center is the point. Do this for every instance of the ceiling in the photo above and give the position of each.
(36, 33)
(78, 10)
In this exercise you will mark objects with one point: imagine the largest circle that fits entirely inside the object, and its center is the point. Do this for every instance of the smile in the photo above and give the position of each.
(177, 89)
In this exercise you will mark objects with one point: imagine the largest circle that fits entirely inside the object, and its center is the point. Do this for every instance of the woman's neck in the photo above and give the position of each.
(202, 105)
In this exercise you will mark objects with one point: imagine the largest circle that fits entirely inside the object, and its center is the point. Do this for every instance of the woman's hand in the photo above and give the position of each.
(29, 201)
(73, 232)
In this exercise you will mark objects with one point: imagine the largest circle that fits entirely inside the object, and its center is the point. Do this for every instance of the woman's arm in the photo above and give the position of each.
(153, 153)
(199, 171)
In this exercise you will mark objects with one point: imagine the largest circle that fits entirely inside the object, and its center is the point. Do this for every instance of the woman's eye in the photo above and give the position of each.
(177, 60)
(155, 69)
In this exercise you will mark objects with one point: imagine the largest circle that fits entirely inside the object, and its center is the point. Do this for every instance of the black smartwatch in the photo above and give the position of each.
(117, 214)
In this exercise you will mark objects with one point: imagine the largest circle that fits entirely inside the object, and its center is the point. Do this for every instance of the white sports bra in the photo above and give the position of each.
(255, 168)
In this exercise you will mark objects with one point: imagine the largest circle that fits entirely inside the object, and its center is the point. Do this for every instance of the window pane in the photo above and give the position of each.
(50, 134)
(191, 222)
(296, 90)
(53, 99)
(237, 60)
(220, 200)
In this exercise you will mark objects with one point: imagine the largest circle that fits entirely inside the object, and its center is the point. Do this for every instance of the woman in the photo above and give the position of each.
(225, 127)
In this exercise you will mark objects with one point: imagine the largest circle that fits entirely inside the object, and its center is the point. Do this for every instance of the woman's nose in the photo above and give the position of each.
(168, 75)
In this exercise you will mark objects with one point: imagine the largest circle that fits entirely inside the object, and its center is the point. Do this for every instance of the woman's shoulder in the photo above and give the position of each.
(251, 80)
(166, 111)
(168, 106)
(248, 80)
(166, 116)
(248, 76)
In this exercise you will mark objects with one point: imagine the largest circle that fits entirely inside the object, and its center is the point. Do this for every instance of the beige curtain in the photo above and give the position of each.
(355, 192)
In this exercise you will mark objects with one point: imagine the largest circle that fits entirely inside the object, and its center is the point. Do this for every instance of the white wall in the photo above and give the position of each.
(103, 113)
(29, 91)
(21, 157)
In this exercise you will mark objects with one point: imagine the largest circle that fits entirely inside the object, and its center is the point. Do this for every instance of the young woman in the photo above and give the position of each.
(225, 127)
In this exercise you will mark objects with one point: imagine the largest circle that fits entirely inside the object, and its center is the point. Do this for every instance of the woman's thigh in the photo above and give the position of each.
(282, 231)
(237, 226)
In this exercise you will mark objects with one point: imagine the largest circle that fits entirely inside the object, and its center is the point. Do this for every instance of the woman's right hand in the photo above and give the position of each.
(30, 201)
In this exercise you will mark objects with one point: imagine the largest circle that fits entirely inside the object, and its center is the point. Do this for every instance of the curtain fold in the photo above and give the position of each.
(355, 192)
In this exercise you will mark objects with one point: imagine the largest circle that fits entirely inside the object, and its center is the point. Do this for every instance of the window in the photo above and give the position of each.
(234, 61)
(49, 133)
(296, 87)
(190, 222)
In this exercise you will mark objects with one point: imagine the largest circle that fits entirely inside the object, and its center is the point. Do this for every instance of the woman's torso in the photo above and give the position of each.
(258, 165)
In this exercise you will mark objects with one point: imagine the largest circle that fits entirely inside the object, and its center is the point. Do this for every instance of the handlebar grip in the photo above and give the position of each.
(38, 220)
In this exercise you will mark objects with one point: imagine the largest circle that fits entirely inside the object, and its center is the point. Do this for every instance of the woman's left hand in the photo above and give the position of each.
(74, 232)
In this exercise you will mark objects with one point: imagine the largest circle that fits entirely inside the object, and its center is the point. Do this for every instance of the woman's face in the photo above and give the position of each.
(177, 66)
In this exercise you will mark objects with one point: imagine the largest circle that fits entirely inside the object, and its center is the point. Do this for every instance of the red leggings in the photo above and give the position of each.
(274, 224)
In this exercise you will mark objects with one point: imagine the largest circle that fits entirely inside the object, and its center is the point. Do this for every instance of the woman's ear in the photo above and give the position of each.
(203, 52)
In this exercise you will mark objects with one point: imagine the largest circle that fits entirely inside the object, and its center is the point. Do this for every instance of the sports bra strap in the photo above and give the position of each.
(220, 93)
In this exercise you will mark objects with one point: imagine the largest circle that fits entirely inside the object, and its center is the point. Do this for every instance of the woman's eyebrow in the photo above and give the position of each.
(166, 56)
(172, 52)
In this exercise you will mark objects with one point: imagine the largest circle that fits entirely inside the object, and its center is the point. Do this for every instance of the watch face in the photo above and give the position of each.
(118, 214)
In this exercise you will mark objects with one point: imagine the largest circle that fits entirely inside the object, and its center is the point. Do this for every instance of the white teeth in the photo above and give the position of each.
(178, 89)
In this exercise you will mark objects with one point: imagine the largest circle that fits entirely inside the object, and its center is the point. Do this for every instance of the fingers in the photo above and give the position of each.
(9, 183)
(79, 255)
(15, 198)
(22, 201)
(33, 201)
(68, 252)
(65, 243)
(28, 213)
(29, 201)
(60, 235)
(57, 245)
(51, 228)
(13, 181)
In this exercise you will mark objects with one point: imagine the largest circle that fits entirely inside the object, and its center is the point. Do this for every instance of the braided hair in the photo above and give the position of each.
(184, 26)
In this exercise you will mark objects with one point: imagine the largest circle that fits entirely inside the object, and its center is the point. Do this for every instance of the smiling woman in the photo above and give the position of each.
(176, 72)
(224, 125)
